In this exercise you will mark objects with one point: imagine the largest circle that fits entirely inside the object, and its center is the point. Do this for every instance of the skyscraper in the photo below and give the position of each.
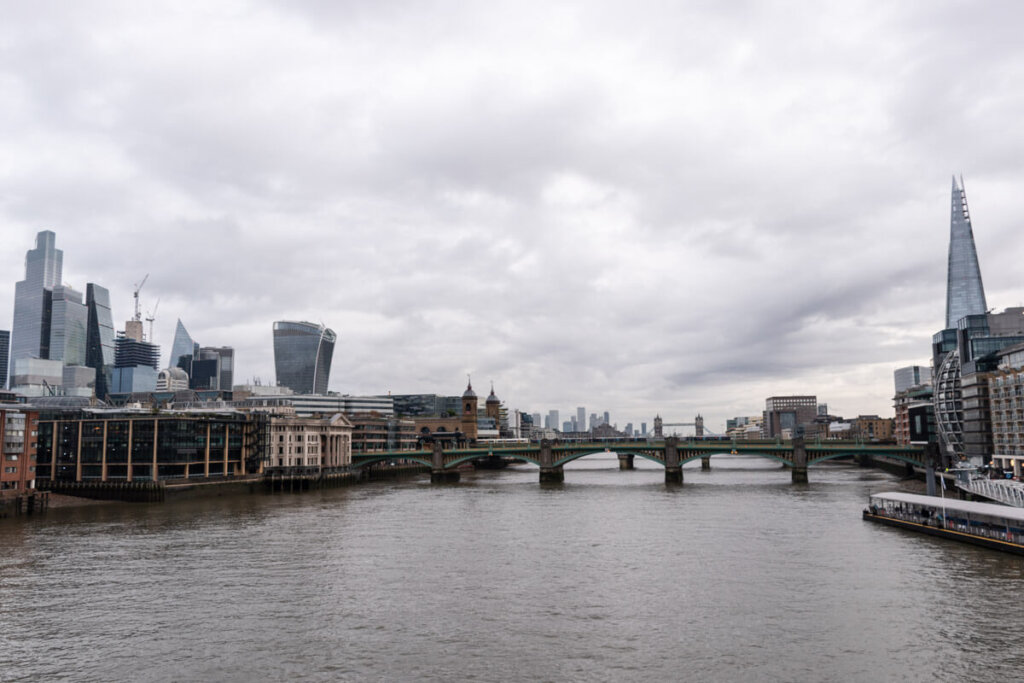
(5, 356)
(302, 356)
(68, 322)
(135, 365)
(183, 345)
(99, 338)
(581, 418)
(30, 335)
(965, 294)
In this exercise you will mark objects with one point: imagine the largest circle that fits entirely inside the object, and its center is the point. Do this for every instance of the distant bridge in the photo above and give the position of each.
(671, 453)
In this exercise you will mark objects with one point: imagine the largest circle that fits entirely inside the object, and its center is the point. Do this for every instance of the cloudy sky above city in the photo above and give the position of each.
(643, 207)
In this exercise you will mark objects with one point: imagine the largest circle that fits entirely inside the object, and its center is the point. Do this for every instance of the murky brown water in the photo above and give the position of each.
(736, 576)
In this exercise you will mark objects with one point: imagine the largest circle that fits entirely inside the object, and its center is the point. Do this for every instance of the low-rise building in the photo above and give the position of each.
(323, 443)
(17, 435)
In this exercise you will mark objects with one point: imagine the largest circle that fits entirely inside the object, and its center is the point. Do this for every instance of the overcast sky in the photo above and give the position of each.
(640, 207)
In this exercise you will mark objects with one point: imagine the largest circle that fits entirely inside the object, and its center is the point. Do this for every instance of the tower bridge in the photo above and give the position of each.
(671, 453)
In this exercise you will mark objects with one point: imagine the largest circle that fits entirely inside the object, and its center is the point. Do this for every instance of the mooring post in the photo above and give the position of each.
(549, 473)
(438, 474)
(625, 461)
(799, 471)
(673, 470)
(705, 463)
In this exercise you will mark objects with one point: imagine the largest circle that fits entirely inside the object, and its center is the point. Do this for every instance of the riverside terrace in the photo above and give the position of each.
(672, 454)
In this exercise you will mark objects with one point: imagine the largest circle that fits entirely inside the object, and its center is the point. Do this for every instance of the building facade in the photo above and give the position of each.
(302, 356)
(99, 338)
(788, 416)
(322, 443)
(18, 435)
(30, 334)
(126, 445)
(5, 357)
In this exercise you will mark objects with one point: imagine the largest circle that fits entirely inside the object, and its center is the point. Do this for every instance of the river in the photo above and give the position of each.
(735, 576)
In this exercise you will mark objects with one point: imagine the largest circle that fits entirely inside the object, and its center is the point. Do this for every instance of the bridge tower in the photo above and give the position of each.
(698, 426)
(659, 430)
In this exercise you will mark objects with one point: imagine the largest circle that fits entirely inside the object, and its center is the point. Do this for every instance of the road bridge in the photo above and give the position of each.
(671, 453)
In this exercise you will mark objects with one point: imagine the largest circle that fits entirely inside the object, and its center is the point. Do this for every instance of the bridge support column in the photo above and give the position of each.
(931, 461)
(438, 474)
(799, 471)
(673, 469)
(863, 460)
(551, 475)
(705, 463)
(625, 461)
(549, 472)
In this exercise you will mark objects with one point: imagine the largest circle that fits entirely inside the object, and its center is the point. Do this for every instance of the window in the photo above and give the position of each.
(11, 457)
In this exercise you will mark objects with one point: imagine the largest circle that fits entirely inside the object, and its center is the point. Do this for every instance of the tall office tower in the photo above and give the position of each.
(5, 356)
(581, 419)
(535, 420)
(30, 335)
(99, 337)
(607, 418)
(302, 356)
(965, 294)
(68, 322)
(212, 368)
(552, 419)
(135, 365)
(643, 429)
(183, 345)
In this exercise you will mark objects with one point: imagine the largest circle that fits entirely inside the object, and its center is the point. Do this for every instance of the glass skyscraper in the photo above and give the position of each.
(183, 345)
(5, 356)
(68, 318)
(99, 340)
(965, 295)
(302, 356)
(30, 335)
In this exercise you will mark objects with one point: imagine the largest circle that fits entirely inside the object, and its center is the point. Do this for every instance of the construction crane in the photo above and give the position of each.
(150, 317)
(135, 295)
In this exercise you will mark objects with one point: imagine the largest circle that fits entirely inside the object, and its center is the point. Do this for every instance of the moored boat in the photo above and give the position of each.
(986, 524)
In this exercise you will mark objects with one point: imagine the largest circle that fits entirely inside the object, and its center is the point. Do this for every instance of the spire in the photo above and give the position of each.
(965, 294)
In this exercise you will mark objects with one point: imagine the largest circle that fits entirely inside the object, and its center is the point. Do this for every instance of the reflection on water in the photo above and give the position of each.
(737, 575)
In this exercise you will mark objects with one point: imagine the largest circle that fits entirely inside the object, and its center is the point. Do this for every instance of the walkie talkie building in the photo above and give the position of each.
(302, 356)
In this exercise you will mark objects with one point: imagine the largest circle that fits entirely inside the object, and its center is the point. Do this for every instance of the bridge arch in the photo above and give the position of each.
(690, 457)
(367, 459)
(569, 457)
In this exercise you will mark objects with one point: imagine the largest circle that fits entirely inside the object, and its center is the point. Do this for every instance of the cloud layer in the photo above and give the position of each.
(638, 207)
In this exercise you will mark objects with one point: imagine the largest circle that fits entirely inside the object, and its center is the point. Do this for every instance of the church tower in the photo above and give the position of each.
(469, 402)
(493, 407)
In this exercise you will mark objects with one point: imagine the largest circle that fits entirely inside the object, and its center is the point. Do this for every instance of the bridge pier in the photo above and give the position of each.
(673, 468)
(552, 475)
(625, 461)
(799, 471)
(444, 476)
(438, 474)
(705, 464)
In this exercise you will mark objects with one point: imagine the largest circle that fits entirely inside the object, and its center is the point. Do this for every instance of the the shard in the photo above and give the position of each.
(965, 295)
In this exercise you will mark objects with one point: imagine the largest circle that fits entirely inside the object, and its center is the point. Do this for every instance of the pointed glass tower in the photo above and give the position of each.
(965, 295)
(183, 345)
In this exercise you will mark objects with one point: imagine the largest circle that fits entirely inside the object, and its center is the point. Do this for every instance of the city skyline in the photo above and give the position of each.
(623, 209)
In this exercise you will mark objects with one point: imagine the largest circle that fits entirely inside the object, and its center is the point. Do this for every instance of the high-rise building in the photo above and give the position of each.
(581, 419)
(965, 294)
(68, 322)
(607, 418)
(964, 353)
(552, 420)
(302, 356)
(183, 345)
(135, 365)
(30, 335)
(5, 356)
(99, 338)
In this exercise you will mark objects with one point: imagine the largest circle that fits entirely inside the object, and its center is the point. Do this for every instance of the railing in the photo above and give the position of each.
(1001, 490)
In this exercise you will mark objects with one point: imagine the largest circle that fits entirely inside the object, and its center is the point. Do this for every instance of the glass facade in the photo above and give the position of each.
(43, 271)
(965, 294)
(83, 446)
(183, 345)
(99, 339)
(302, 356)
(68, 323)
(5, 357)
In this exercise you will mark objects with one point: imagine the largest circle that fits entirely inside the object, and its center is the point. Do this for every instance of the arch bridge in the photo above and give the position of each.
(672, 453)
